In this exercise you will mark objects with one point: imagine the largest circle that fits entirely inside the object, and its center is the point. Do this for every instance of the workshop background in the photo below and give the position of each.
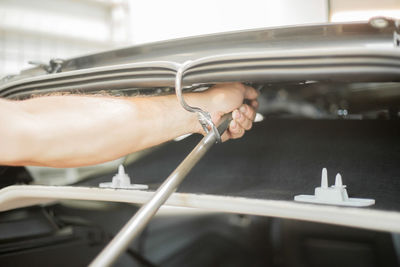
(33, 32)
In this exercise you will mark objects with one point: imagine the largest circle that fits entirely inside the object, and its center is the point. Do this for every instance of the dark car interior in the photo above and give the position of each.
(351, 128)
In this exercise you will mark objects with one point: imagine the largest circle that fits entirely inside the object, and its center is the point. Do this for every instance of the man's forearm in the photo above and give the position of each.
(65, 131)
(70, 131)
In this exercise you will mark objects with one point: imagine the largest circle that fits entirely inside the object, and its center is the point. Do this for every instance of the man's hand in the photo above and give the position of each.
(225, 98)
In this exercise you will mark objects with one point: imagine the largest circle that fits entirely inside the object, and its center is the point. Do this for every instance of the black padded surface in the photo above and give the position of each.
(279, 159)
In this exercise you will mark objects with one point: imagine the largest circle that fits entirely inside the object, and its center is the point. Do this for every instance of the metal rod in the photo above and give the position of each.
(143, 216)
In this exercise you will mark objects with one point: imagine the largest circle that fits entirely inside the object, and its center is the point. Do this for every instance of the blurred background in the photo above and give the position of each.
(40, 30)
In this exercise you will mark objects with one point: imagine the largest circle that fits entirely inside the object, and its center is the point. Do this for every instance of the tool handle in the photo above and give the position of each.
(143, 216)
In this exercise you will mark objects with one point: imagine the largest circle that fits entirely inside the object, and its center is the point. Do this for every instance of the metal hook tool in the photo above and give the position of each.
(142, 217)
(203, 116)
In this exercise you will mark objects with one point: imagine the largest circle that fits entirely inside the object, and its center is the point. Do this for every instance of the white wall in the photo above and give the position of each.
(153, 20)
(40, 30)
(363, 10)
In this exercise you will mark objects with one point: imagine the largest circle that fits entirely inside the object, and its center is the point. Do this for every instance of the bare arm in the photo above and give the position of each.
(67, 131)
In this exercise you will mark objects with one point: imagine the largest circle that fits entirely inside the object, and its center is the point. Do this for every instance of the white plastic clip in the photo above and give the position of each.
(122, 180)
(335, 195)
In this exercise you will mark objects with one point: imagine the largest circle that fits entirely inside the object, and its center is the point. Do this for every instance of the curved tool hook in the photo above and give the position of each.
(204, 117)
